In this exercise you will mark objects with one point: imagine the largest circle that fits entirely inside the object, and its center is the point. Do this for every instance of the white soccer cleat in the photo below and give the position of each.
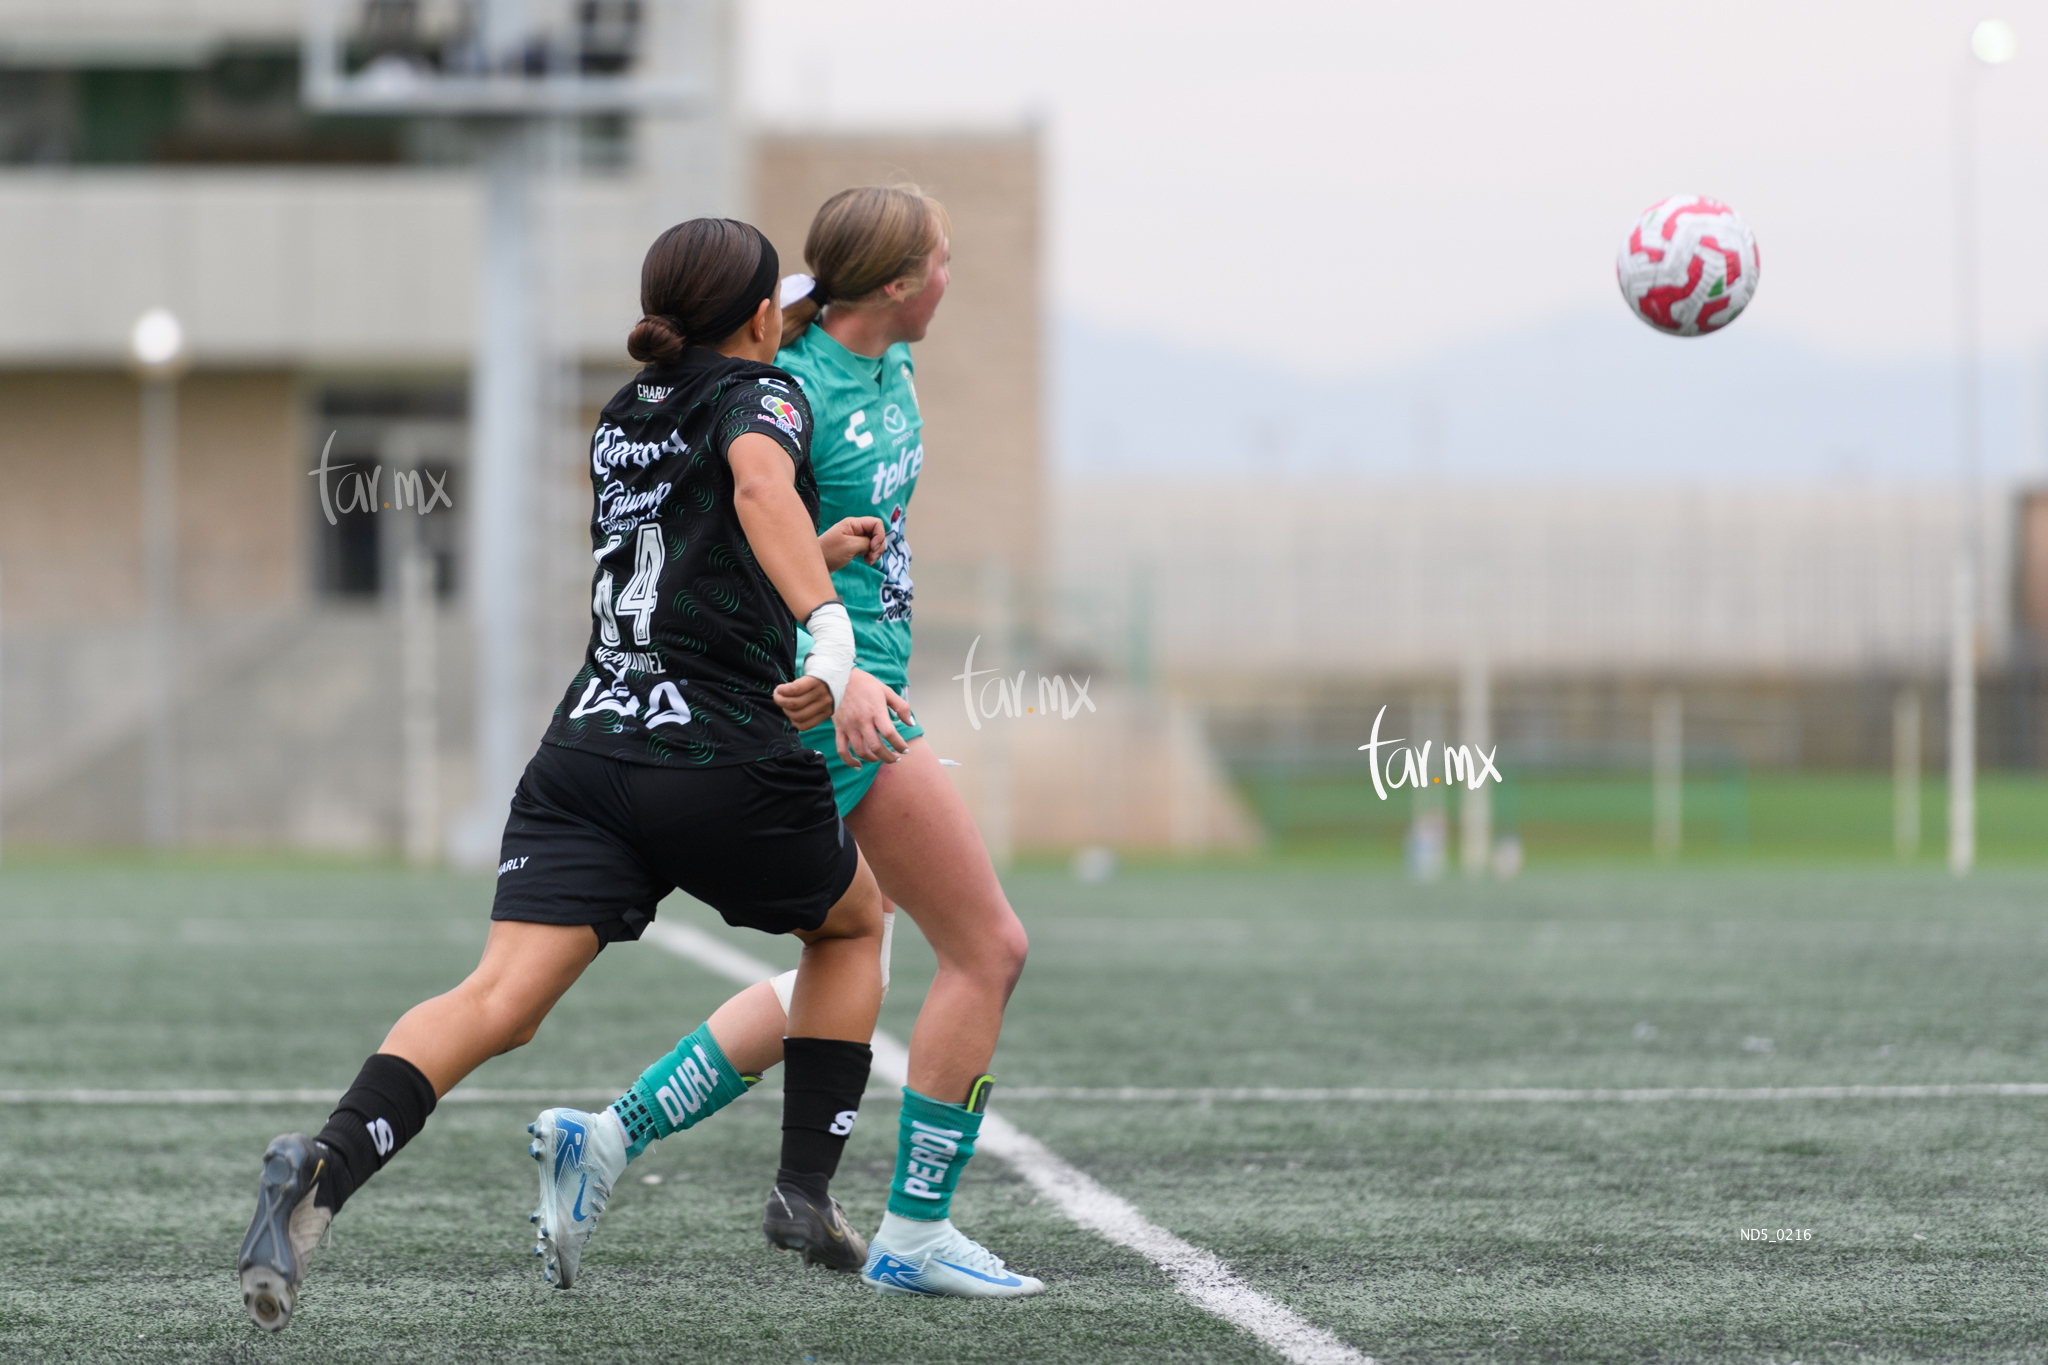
(912, 1257)
(581, 1157)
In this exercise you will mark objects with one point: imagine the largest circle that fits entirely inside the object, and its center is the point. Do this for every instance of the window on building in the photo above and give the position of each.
(239, 107)
(387, 465)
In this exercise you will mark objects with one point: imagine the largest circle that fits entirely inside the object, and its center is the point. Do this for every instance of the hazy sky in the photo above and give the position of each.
(1239, 175)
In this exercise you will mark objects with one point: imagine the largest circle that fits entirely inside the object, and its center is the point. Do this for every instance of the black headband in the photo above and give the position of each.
(727, 320)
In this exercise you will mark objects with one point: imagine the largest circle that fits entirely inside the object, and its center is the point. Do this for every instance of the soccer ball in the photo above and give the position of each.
(1689, 266)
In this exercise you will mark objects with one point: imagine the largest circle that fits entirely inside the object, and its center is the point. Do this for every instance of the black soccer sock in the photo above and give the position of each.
(822, 1082)
(382, 1111)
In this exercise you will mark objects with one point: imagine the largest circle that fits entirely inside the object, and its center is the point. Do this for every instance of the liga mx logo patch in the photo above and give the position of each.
(783, 414)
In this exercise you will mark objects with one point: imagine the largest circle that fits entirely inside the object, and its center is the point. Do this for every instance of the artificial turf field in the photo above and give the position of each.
(1417, 1232)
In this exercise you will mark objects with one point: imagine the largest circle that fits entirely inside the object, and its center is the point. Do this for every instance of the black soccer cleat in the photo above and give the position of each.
(287, 1226)
(796, 1222)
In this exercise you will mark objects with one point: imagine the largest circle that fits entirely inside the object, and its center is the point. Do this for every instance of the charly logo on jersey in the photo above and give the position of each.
(775, 384)
(783, 414)
(655, 393)
(861, 439)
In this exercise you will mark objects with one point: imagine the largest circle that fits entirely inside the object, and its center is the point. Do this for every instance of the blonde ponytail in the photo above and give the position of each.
(863, 240)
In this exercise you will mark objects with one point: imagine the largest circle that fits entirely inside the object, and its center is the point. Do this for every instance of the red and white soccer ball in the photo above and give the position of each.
(1689, 266)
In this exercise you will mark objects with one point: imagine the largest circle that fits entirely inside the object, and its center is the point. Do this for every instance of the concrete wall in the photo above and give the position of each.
(71, 517)
(980, 374)
(283, 266)
(1306, 580)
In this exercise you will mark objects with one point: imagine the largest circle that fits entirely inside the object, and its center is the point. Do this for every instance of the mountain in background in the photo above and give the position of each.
(1592, 396)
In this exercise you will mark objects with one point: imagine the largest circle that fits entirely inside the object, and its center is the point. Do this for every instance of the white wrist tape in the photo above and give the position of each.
(831, 656)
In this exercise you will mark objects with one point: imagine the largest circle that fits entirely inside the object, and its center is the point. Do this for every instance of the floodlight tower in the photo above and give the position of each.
(1992, 43)
(508, 69)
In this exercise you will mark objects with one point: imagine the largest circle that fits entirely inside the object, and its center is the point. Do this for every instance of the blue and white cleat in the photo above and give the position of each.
(912, 1257)
(581, 1156)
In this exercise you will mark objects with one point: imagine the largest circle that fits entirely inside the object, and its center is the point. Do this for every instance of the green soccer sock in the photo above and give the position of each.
(933, 1141)
(684, 1088)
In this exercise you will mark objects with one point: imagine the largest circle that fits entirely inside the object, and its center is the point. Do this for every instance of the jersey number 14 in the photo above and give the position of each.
(640, 597)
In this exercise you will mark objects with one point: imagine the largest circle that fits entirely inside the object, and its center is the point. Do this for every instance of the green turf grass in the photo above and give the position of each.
(1428, 1233)
(1566, 818)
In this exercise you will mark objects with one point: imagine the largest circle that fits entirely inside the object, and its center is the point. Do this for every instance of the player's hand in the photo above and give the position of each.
(862, 724)
(843, 541)
(806, 702)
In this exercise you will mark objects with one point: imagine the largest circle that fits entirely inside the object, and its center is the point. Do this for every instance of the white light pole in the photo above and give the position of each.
(1992, 43)
(3, 713)
(156, 345)
(1475, 727)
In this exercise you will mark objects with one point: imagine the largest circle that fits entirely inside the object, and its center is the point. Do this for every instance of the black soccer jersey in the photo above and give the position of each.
(688, 637)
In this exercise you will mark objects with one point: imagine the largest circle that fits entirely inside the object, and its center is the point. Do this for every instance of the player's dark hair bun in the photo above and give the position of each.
(655, 340)
(699, 283)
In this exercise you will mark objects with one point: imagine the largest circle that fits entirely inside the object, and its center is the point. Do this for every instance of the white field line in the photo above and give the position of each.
(887, 1066)
(1198, 1274)
(1363, 1095)
(474, 1095)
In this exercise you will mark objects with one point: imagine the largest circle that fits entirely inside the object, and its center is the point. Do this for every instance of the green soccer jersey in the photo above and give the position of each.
(867, 449)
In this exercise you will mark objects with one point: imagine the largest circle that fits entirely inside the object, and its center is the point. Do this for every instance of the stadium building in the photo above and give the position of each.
(1095, 668)
(323, 268)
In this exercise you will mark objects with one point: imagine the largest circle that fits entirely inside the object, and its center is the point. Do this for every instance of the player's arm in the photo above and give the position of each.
(853, 538)
(777, 524)
(778, 527)
(865, 734)
(785, 545)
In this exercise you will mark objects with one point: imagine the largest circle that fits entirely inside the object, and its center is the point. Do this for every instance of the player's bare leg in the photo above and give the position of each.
(498, 1007)
(837, 994)
(305, 1181)
(839, 981)
(928, 854)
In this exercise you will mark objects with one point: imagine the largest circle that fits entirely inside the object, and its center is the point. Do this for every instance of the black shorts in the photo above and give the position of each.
(595, 841)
